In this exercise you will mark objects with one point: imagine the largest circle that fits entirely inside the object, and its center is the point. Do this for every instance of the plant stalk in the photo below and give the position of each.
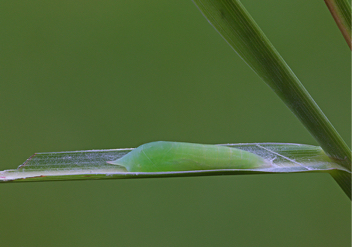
(237, 27)
(341, 12)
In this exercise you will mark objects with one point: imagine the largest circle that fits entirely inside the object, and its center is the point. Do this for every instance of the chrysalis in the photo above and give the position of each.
(164, 156)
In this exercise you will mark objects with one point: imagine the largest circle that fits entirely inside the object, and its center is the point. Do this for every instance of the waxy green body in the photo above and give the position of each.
(164, 156)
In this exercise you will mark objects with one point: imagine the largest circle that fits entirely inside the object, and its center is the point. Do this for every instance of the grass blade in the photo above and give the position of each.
(341, 12)
(236, 26)
(91, 164)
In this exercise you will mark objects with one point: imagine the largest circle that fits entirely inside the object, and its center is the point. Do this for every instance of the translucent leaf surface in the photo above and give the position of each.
(91, 164)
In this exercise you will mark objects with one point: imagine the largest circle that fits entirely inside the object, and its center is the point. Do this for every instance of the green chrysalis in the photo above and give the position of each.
(164, 156)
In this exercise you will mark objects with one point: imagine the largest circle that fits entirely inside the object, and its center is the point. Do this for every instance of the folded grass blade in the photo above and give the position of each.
(92, 164)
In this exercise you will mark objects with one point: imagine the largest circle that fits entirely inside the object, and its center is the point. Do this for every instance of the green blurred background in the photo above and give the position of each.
(88, 74)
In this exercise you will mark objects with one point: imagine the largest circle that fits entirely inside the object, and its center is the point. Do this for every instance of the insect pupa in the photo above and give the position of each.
(165, 156)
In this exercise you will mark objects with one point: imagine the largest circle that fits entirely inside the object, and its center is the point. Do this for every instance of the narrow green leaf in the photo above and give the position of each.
(92, 164)
(236, 26)
(341, 12)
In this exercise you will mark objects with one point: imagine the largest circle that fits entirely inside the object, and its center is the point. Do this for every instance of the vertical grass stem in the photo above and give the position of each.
(341, 12)
(237, 27)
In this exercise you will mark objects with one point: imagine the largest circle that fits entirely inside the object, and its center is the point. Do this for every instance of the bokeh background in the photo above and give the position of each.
(89, 74)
